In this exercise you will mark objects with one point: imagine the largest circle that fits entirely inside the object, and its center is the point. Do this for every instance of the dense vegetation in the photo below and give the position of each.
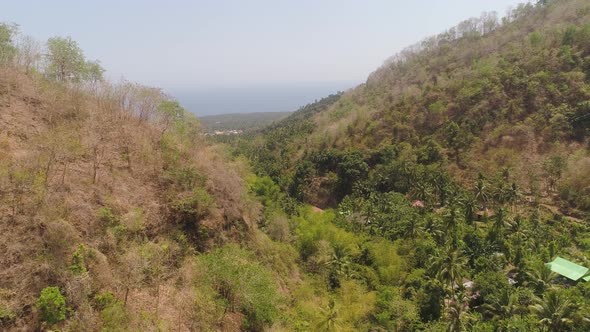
(447, 181)
(454, 174)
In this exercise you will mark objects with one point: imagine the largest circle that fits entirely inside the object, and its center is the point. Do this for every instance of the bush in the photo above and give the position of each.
(191, 206)
(107, 216)
(51, 305)
(78, 265)
(112, 311)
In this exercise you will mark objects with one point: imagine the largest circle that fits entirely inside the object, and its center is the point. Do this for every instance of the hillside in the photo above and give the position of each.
(470, 154)
(479, 98)
(108, 195)
(240, 121)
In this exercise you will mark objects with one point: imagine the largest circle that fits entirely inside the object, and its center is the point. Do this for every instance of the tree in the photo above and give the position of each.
(481, 190)
(329, 320)
(29, 53)
(7, 49)
(457, 314)
(555, 311)
(450, 266)
(52, 305)
(554, 167)
(171, 114)
(540, 278)
(66, 62)
(351, 168)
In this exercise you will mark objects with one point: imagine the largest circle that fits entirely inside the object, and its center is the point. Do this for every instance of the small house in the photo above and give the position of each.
(569, 270)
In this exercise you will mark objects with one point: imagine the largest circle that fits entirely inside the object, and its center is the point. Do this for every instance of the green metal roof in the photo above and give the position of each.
(586, 278)
(568, 269)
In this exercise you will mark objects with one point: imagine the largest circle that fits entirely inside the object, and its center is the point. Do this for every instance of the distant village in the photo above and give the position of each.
(225, 132)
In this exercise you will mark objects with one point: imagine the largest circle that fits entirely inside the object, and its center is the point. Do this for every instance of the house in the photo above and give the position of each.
(418, 204)
(569, 270)
(484, 214)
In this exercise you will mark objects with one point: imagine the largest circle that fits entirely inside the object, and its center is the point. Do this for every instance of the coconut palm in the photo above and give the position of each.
(469, 204)
(555, 311)
(540, 278)
(512, 195)
(481, 190)
(434, 228)
(504, 306)
(328, 320)
(457, 314)
(450, 267)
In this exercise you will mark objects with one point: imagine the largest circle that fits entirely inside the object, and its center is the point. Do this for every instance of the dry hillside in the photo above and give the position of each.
(97, 174)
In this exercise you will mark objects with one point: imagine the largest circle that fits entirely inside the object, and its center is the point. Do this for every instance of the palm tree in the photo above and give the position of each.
(555, 311)
(512, 195)
(469, 203)
(540, 278)
(451, 223)
(340, 262)
(329, 320)
(450, 267)
(481, 190)
(505, 306)
(433, 227)
(496, 233)
(457, 315)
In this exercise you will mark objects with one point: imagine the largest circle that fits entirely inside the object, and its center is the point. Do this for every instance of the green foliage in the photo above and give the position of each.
(7, 49)
(555, 311)
(7, 315)
(51, 305)
(106, 215)
(78, 265)
(172, 114)
(266, 190)
(67, 62)
(193, 205)
(112, 311)
(247, 286)
(104, 300)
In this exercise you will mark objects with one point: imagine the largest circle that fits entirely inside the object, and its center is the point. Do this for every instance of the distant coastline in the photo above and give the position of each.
(256, 98)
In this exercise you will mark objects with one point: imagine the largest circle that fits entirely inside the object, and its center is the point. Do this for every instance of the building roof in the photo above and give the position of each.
(418, 204)
(568, 269)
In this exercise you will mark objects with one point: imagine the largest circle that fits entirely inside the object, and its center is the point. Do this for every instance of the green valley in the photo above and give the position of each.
(449, 192)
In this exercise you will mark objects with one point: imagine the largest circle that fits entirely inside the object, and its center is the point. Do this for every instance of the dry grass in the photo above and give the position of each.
(64, 154)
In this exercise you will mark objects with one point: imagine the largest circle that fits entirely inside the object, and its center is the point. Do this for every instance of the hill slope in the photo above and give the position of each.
(450, 178)
(482, 97)
(98, 200)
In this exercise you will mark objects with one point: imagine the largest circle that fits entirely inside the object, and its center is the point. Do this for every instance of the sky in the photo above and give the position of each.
(196, 50)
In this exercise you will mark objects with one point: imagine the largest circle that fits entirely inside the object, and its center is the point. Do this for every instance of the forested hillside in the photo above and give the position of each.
(465, 160)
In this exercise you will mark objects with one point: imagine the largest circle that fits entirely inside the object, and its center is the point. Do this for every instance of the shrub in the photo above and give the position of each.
(112, 311)
(191, 206)
(78, 265)
(104, 299)
(51, 305)
(107, 216)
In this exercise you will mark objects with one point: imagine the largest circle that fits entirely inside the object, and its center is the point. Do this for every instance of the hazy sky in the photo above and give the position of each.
(196, 45)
